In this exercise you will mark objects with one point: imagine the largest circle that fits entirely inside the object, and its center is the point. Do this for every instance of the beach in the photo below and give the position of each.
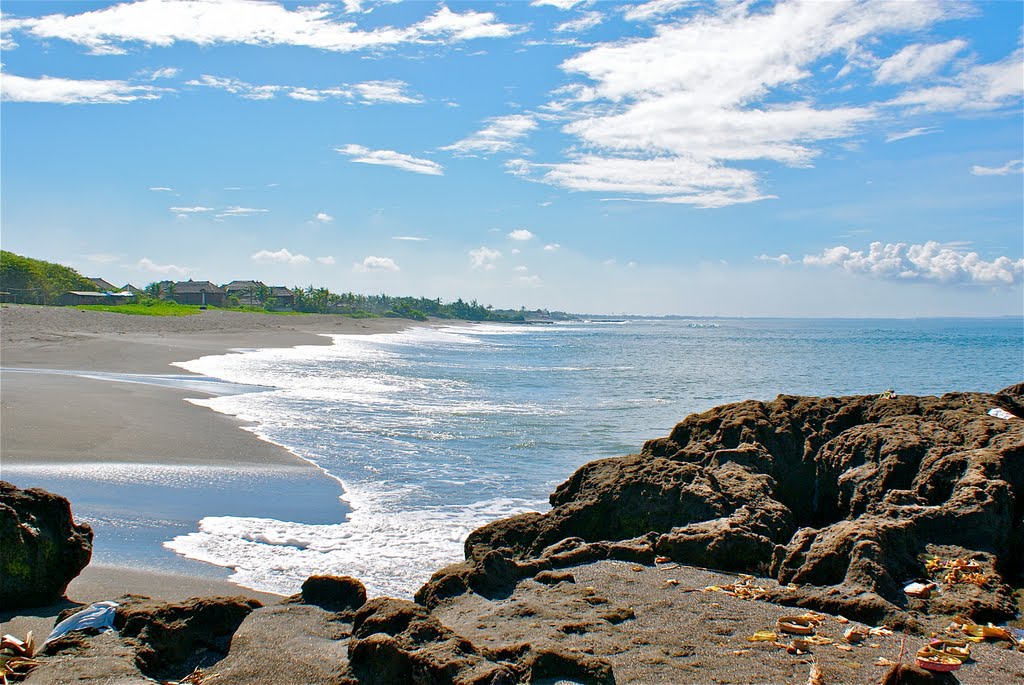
(63, 422)
(94, 409)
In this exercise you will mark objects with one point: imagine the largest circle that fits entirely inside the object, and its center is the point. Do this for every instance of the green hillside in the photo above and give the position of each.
(37, 282)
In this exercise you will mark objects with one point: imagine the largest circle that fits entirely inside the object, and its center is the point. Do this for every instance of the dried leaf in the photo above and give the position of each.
(763, 636)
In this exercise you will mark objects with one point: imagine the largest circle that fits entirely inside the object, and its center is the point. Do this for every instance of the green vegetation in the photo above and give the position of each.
(34, 281)
(145, 306)
(37, 282)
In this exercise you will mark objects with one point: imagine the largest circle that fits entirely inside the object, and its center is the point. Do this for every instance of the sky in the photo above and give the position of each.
(664, 157)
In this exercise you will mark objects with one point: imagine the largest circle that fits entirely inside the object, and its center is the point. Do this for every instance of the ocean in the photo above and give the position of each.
(427, 434)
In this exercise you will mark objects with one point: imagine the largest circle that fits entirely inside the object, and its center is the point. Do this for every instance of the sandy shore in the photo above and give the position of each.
(58, 426)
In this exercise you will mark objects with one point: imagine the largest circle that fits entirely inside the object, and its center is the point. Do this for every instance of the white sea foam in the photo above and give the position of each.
(392, 552)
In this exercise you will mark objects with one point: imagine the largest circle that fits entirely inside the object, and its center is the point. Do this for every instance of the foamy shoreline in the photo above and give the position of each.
(60, 421)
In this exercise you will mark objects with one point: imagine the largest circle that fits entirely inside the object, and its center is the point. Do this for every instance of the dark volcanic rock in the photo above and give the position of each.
(396, 641)
(42, 549)
(843, 496)
(332, 593)
(172, 639)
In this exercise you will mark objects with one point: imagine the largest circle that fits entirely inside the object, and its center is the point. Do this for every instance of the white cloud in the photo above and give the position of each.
(236, 87)
(147, 264)
(783, 259)
(666, 179)
(551, 247)
(521, 269)
(930, 261)
(981, 87)
(393, 92)
(327, 261)
(654, 9)
(483, 257)
(584, 22)
(560, 4)
(464, 26)
(163, 23)
(73, 92)
(916, 61)
(1014, 166)
(669, 118)
(521, 234)
(191, 210)
(912, 133)
(282, 256)
(232, 212)
(372, 263)
(166, 72)
(367, 93)
(533, 281)
(323, 217)
(364, 155)
(500, 135)
(411, 238)
(162, 189)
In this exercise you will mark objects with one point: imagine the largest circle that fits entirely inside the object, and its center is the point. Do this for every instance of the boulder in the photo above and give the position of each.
(846, 497)
(171, 639)
(42, 549)
(331, 593)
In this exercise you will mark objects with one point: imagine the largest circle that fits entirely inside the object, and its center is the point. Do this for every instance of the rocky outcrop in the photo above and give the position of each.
(42, 549)
(331, 593)
(173, 639)
(843, 497)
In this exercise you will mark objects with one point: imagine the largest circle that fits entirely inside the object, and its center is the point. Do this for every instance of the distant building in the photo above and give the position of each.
(198, 292)
(247, 292)
(128, 287)
(77, 297)
(284, 298)
(104, 286)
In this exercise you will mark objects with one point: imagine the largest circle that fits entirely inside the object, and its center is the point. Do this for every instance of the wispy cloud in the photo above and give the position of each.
(191, 210)
(679, 116)
(551, 247)
(236, 87)
(160, 23)
(161, 189)
(560, 4)
(501, 134)
(399, 160)
(65, 91)
(930, 261)
(411, 238)
(147, 264)
(1014, 166)
(166, 72)
(282, 256)
(372, 263)
(323, 217)
(916, 61)
(393, 92)
(232, 212)
(913, 133)
(483, 257)
(981, 87)
(326, 261)
(654, 9)
(583, 23)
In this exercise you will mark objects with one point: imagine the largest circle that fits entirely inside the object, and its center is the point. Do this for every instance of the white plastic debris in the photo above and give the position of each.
(1000, 413)
(98, 616)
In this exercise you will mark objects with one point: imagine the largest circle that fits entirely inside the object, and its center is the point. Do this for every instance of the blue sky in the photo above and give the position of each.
(672, 156)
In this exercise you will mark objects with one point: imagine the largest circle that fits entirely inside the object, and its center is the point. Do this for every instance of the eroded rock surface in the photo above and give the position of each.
(42, 549)
(844, 497)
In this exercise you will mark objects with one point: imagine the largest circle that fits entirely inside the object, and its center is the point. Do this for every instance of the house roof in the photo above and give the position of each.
(190, 286)
(280, 290)
(103, 285)
(243, 285)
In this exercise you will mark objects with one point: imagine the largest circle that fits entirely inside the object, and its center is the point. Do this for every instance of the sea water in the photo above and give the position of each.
(435, 431)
